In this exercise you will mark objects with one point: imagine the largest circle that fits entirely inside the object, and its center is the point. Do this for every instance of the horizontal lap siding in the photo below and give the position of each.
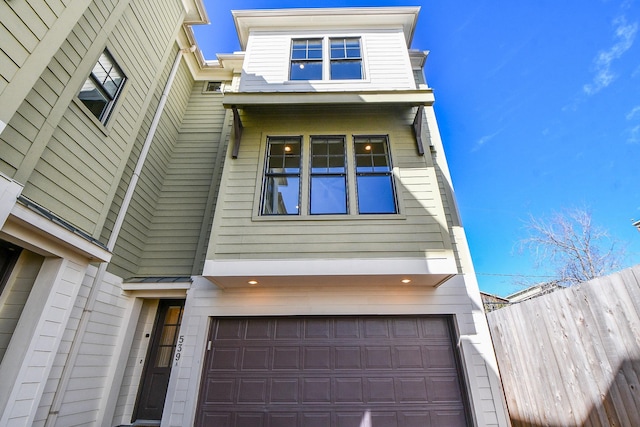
(266, 66)
(175, 230)
(24, 25)
(82, 161)
(131, 248)
(421, 228)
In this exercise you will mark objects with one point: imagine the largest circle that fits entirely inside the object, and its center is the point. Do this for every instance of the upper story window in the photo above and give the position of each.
(101, 89)
(323, 188)
(328, 181)
(281, 193)
(374, 175)
(308, 59)
(346, 58)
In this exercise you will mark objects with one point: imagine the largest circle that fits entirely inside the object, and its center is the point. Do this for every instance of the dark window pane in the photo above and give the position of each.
(343, 70)
(375, 194)
(281, 195)
(306, 70)
(91, 96)
(328, 195)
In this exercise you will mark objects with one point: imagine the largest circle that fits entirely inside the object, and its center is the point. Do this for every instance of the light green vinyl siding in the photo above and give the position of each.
(420, 228)
(70, 163)
(136, 229)
(180, 212)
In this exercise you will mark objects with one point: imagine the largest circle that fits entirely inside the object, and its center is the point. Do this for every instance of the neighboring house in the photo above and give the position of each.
(492, 302)
(533, 292)
(266, 239)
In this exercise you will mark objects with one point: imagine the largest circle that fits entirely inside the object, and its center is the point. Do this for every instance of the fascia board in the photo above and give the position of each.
(399, 97)
(321, 19)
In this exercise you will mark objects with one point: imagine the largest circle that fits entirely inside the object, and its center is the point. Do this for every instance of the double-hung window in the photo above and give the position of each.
(342, 59)
(101, 89)
(374, 175)
(281, 189)
(346, 59)
(306, 59)
(328, 176)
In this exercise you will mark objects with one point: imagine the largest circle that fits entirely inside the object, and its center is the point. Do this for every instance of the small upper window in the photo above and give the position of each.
(306, 59)
(346, 58)
(102, 87)
(213, 87)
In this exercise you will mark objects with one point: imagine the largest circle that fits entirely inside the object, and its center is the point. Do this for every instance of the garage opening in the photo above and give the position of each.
(372, 371)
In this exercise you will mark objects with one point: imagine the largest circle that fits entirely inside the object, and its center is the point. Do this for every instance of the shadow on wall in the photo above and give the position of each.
(620, 406)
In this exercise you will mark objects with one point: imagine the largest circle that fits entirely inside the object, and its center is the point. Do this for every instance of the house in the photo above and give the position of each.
(492, 302)
(270, 238)
(533, 291)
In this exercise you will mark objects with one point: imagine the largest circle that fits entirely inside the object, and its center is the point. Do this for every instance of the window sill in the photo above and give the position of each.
(351, 217)
(85, 111)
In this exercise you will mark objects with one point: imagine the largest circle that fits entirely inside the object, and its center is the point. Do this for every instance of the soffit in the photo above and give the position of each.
(321, 19)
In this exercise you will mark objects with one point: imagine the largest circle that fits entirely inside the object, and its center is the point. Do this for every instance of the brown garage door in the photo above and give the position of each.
(341, 371)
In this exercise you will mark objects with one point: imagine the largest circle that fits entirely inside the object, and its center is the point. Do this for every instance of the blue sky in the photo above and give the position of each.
(538, 103)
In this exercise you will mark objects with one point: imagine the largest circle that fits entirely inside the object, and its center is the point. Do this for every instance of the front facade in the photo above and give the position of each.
(268, 239)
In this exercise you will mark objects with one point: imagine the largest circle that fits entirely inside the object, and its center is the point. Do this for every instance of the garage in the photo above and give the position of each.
(372, 371)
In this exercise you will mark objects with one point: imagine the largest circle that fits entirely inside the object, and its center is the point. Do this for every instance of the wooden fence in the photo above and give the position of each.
(572, 357)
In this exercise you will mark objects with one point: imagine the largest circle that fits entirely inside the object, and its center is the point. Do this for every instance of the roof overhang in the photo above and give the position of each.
(430, 272)
(396, 97)
(330, 18)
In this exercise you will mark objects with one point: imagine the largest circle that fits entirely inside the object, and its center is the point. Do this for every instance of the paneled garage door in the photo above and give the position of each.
(341, 371)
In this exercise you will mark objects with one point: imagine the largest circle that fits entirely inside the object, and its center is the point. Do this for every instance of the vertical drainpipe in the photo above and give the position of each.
(117, 226)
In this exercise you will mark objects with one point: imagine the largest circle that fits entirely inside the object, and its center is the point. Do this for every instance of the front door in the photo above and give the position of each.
(155, 378)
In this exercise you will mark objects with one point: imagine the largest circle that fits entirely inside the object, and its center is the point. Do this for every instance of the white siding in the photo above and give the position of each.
(135, 364)
(15, 294)
(38, 338)
(385, 55)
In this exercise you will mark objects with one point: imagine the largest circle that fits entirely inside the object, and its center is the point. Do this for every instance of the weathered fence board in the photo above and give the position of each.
(572, 357)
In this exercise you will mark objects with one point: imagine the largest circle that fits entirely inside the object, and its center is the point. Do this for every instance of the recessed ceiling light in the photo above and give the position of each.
(406, 280)
(252, 282)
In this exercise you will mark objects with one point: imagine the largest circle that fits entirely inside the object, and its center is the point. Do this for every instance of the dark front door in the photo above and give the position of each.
(155, 378)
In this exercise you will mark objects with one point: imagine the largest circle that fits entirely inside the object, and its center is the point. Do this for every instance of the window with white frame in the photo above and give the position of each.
(101, 89)
(290, 187)
(346, 59)
(308, 59)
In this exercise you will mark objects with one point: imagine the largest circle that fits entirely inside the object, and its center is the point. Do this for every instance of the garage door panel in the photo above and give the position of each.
(256, 358)
(285, 390)
(349, 358)
(331, 372)
(258, 329)
(316, 358)
(232, 329)
(287, 358)
(225, 359)
(378, 357)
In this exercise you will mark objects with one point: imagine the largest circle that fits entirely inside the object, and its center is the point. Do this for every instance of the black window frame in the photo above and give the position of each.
(374, 170)
(269, 174)
(106, 80)
(316, 172)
